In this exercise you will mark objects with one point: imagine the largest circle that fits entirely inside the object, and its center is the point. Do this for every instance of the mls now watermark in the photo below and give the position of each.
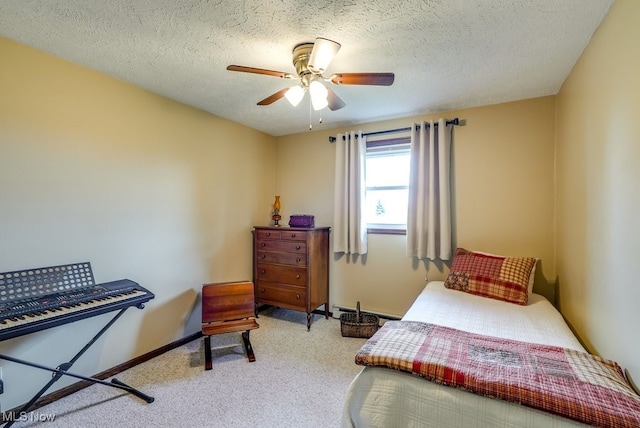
(28, 417)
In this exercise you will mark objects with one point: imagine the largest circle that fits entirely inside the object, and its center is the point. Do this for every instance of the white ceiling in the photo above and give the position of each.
(445, 54)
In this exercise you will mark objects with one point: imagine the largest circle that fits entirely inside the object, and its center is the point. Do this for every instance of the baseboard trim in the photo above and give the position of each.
(348, 309)
(68, 390)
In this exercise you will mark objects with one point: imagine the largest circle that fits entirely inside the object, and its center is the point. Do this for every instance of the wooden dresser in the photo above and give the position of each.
(291, 268)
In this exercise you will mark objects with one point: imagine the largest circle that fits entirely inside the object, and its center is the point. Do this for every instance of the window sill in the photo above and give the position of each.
(382, 231)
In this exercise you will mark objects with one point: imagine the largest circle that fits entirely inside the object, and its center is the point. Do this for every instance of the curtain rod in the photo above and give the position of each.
(454, 122)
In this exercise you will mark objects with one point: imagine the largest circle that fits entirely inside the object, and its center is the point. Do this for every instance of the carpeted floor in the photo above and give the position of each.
(299, 379)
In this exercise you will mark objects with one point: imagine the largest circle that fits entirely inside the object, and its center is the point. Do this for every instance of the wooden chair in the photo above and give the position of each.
(228, 307)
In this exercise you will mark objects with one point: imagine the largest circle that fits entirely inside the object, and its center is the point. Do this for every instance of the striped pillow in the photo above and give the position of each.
(488, 275)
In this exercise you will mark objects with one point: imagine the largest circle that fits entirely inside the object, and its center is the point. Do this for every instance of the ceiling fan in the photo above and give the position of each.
(310, 61)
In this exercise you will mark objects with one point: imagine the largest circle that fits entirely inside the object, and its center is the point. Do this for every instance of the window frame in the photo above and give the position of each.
(381, 228)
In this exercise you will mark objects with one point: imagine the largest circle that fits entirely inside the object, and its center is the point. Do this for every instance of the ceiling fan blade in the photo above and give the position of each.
(335, 102)
(381, 79)
(323, 52)
(244, 69)
(273, 98)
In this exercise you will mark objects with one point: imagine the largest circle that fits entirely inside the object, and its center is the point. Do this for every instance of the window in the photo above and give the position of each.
(387, 185)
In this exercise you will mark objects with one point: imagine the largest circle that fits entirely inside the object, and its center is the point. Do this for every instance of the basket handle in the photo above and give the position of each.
(358, 312)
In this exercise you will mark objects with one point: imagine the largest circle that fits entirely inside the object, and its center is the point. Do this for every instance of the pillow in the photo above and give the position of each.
(531, 276)
(490, 275)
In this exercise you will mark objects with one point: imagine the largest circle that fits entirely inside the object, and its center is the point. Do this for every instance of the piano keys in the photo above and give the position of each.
(36, 299)
(25, 316)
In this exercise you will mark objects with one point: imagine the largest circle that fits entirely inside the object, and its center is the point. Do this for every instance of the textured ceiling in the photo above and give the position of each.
(445, 53)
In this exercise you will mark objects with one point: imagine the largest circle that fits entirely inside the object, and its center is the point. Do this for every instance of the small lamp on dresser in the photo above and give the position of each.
(276, 211)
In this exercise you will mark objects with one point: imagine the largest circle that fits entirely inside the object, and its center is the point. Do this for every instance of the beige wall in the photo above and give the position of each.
(503, 196)
(598, 201)
(93, 169)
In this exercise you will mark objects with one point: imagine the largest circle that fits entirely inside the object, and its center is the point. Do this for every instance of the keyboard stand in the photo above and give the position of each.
(62, 370)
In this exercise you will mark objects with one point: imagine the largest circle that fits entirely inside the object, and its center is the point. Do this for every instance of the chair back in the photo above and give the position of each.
(227, 301)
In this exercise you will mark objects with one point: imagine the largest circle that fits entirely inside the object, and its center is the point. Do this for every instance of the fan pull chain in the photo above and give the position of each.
(311, 116)
(310, 112)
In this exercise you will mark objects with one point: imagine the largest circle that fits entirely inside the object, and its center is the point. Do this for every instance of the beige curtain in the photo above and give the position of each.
(429, 216)
(349, 224)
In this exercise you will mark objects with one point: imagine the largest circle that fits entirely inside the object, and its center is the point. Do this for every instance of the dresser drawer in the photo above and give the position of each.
(268, 234)
(279, 273)
(282, 258)
(281, 246)
(293, 235)
(281, 295)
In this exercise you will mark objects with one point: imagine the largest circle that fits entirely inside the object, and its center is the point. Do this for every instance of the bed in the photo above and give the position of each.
(380, 397)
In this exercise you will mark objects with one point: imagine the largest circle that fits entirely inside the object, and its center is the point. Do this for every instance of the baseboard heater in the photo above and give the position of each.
(337, 309)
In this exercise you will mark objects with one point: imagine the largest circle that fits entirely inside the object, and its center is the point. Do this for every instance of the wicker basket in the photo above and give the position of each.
(359, 324)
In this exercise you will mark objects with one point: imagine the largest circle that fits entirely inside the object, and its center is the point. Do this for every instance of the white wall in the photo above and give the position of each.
(598, 201)
(92, 169)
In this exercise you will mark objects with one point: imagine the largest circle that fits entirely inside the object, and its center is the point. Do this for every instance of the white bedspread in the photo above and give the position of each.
(385, 398)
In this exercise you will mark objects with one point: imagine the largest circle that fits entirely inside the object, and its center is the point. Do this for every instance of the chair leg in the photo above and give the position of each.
(207, 352)
(247, 346)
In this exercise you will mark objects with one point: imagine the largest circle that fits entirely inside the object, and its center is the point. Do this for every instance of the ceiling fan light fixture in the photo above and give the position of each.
(318, 93)
(294, 95)
(311, 61)
(323, 52)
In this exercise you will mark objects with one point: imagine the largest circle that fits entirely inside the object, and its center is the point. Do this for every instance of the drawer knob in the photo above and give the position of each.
(263, 256)
(298, 296)
(262, 271)
(298, 247)
(297, 260)
(293, 235)
(268, 233)
(263, 245)
(297, 276)
(262, 290)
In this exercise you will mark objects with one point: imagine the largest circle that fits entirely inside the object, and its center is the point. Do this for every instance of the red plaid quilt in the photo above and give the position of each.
(569, 383)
